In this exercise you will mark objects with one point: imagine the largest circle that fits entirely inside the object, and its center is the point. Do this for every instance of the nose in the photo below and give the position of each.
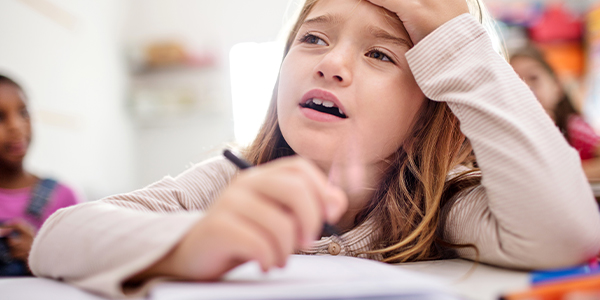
(336, 67)
(15, 123)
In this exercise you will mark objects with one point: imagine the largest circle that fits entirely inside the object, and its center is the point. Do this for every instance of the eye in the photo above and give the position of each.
(377, 54)
(312, 39)
(24, 113)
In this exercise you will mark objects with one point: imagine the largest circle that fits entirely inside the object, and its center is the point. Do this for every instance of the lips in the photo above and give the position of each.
(323, 105)
(16, 148)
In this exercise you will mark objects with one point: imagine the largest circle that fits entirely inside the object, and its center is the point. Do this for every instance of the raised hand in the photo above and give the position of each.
(421, 17)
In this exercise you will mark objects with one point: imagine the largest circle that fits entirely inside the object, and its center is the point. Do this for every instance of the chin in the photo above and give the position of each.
(316, 152)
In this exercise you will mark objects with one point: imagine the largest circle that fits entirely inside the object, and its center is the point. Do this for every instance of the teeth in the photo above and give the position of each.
(327, 103)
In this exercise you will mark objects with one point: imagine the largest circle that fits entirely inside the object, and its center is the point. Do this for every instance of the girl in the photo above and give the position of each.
(530, 65)
(371, 93)
(26, 201)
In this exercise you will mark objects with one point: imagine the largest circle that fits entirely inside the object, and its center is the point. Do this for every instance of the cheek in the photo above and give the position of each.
(283, 91)
(547, 93)
(28, 131)
(288, 76)
(391, 118)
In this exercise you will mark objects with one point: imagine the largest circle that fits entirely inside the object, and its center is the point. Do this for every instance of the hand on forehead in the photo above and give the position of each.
(421, 17)
(384, 23)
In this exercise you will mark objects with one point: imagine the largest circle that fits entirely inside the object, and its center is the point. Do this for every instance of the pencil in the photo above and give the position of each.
(242, 164)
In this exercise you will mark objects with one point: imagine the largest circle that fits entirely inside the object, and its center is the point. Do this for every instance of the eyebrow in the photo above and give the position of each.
(325, 19)
(375, 31)
(379, 33)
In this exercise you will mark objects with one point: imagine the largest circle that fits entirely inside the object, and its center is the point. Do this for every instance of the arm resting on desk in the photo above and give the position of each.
(534, 208)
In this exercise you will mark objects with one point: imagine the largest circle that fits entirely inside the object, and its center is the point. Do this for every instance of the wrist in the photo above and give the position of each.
(161, 268)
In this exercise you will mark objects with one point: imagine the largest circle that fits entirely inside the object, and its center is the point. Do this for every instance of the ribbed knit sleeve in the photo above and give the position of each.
(98, 245)
(535, 208)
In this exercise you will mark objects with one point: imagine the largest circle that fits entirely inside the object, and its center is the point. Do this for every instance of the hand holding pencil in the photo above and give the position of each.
(265, 214)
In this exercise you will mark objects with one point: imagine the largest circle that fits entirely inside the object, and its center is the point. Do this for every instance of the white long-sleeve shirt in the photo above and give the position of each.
(533, 209)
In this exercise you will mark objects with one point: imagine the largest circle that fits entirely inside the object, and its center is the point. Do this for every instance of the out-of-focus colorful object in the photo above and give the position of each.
(581, 282)
(584, 288)
(566, 58)
(592, 103)
(165, 54)
(539, 277)
(515, 13)
(558, 33)
(593, 37)
(169, 54)
(556, 24)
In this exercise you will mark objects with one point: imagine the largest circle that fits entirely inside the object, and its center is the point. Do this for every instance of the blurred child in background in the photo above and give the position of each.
(25, 199)
(530, 64)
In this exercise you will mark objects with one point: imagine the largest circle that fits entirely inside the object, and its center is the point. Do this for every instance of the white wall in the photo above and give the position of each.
(75, 78)
(169, 146)
(72, 64)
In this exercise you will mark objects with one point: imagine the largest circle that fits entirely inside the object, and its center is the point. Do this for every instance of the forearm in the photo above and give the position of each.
(97, 246)
(536, 208)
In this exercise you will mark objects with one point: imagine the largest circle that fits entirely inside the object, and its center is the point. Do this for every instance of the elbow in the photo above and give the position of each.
(578, 247)
(585, 244)
(562, 247)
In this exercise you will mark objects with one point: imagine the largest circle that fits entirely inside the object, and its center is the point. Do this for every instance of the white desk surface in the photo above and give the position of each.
(473, 281)
(480, 283)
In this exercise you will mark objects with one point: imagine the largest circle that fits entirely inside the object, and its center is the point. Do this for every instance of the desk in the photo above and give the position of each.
(481, 283)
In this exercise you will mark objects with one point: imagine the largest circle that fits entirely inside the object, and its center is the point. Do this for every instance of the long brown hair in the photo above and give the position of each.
(408, 203)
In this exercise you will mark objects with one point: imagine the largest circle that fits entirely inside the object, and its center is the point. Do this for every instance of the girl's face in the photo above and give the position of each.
(15, 126)
(545, 87)
(345, 90)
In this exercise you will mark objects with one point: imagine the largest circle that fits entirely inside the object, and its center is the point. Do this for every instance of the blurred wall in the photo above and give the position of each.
(71, 57)
(170, 145)
(67, 55)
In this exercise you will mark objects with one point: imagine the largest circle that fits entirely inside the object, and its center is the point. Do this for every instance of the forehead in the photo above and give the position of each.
(526, 64)
(10, 92)
(358, 11)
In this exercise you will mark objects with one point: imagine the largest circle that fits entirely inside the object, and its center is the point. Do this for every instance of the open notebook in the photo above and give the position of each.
(312, 277)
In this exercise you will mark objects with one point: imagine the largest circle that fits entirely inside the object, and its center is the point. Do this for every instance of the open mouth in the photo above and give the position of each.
(324, 106)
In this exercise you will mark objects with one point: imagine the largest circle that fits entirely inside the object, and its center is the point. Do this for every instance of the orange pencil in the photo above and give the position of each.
(558, 290)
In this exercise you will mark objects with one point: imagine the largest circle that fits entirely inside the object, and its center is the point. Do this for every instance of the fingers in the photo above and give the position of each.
(302, 189)
(20, 238)
(332, 203)
(264, 214)
(421, 17)
(391, 5)
(19, 247)
(276, 225)
(251, 245)
(21, 227)
(295, 198)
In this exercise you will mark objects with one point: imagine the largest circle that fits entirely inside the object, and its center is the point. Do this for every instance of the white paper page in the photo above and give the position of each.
(312, 277)
(33, 288)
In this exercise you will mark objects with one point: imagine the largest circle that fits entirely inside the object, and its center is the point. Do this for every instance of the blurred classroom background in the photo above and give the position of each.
(124, 92)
